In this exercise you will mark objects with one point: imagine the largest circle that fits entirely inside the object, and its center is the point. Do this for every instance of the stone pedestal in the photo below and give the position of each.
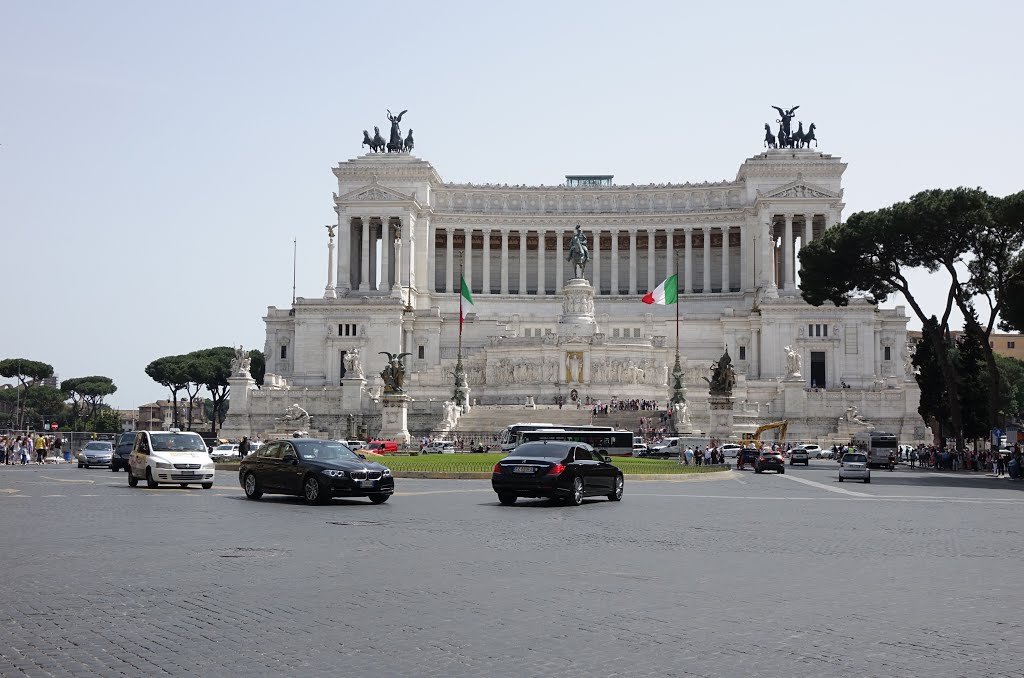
(238, 422)
(721, 408)
(353, 394)
(462, 398)
(794, 394)
(577, 319)
(394, 423)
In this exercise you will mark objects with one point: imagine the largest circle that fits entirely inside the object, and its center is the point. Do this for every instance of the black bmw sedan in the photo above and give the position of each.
(556, 470)
(314, 469)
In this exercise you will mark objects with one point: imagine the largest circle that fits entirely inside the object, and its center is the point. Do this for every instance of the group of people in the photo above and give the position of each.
(28, 448)
(702, 457)
(992, 461)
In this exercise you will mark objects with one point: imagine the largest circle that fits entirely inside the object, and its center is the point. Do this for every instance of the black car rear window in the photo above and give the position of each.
(546, 450)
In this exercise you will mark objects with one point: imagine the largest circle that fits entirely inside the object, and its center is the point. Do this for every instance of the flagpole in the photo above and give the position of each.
(678, 386)
(460, 371)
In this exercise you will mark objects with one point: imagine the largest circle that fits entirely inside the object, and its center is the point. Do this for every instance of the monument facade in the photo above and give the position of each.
(556, 274)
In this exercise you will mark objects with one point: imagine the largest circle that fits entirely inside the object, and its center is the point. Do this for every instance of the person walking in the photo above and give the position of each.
(243, 447)
(40, 445)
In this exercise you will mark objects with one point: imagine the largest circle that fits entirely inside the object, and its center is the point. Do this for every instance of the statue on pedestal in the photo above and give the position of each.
(297, 415)
(793, 361)
(393, 373)
(723, 376)
(353, 368)
(241, 362)
(579, 253)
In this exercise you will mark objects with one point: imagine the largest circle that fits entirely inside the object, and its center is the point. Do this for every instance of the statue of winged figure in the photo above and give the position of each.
(396, 144)
(786, 116)
(393, 373)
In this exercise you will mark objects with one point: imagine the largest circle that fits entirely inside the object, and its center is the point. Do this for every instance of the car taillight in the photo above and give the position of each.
(556, 469)
(497, 468)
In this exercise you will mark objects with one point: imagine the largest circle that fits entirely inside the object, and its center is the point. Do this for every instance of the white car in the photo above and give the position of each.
(815, 451)
(439, 447)
(225, 452)
(730, 449)
(854, 466)
(170, 457)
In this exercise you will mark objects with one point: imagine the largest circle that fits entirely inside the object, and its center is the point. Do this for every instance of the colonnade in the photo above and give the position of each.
(551, 268)
(783, 230)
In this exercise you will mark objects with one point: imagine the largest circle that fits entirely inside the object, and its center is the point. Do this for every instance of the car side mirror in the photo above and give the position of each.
(607, 459)
(361, 456)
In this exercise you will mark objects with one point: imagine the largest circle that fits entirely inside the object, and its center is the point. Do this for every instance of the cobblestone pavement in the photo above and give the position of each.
(916, 574)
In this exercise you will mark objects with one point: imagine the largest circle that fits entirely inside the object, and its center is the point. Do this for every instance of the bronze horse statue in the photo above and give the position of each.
(769, 138)
(408, 141)
(376, 144)
(809, 137)
(798, 135)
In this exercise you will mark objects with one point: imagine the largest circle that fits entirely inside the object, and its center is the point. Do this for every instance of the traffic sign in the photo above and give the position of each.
(53, 426)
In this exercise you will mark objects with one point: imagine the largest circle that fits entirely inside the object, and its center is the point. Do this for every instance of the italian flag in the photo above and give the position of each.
(665, 293)
(468, 297)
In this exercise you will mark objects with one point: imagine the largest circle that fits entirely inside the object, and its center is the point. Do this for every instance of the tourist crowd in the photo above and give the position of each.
(29, 448)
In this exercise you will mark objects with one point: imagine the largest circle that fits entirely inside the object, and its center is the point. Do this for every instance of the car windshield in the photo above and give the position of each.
(545, 450)
(176, 442)
(322, 450)
(855, 457)
(105, 447)
(225, 447)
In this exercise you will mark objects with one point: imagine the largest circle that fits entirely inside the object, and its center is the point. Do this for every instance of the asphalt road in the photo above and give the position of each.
(916, 574)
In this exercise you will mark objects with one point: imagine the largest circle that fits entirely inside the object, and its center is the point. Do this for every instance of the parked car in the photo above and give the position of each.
(770, 460)
(730, 449)
(226, 452)
(122, 451)
(356, 445)
(95, 453)
(815, 451)
(854, 465)
(639, 449)
(800, 455)
(170, 457)
(439, 447)
(559, 470)
(314, 469)
(382, 446)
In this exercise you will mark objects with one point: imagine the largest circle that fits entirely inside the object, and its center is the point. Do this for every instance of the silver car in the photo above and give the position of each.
(95, 453)
(855, 467)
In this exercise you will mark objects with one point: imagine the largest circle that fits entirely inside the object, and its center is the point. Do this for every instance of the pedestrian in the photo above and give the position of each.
(243, 447)
(40, 444)
(24, 447)
(913, 458)
(999, 465)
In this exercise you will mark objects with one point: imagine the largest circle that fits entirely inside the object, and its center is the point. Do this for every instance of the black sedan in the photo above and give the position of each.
(556, 470)
(770, 460)
(314, 469)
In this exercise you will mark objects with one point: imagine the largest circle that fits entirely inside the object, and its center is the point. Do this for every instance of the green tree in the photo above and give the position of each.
(972, 382)
(43, 402)
(28, 373)
(934, 403)
(1012, 403)
(87, 391)
(213, 367)
(170, 371)
(257, 366)
(1010, 213)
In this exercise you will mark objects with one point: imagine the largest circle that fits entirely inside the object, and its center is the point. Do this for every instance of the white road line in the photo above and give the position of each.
(828, 488)
(64, 480)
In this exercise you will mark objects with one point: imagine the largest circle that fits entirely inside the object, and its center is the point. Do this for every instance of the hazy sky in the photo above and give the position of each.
(157, 159)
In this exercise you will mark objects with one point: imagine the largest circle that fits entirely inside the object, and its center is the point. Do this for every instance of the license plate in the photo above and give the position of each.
(188, 473)
(367, 483)
(522, 469)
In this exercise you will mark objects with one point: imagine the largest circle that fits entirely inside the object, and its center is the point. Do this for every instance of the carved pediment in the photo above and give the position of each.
(374, 192)
(799, 189)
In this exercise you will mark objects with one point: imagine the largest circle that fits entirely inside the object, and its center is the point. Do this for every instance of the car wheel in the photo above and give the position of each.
(150, 483)
(507, 499)
(616, 494)
(312, 491)
(782, 470)
(252, 487)
(840, 479)
(379, 498)
(81, 465)
(207, 486)
(113, 469)
(132, 480)
(576, 498)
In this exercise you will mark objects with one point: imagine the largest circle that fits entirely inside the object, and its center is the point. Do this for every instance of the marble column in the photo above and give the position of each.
(596, 259)
(670, 252)
(808, 230)
(651, 239)
(449, 262)
(485, 283)
(726, 285)
(374, 262)
(632, 261)
(755, 353)
(364, 263)
(559, 257)
(614, 263)
(344, 283)
(522, 262)
(541, 264)
(504, 261)
(688, 260)
(707, 259)
(329, 291)
(385, 255)
(431, 259)
(787, 244)
(467, 263)
(766, 255)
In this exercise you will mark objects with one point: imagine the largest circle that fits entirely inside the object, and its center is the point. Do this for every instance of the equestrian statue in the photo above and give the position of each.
(579, 253)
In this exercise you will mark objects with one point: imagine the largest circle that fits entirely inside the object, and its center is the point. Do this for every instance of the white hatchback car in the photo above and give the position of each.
(170, 457)
(730, 449)
(439, 447)
(855, 467)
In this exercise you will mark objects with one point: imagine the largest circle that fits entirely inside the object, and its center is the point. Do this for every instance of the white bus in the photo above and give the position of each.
(878, 445)
(508, 437)
(605, 440)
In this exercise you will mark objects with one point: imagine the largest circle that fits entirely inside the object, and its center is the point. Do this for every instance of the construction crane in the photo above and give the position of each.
(749, 439)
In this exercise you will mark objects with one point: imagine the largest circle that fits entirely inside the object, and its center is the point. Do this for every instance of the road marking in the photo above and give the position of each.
(55, 495)
(62, 480)
(410, 494)
(741, 482)
(9, 491)
(829, 488)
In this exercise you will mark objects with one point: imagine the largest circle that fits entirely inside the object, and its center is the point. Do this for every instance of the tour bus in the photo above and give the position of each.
(508, 437)
(878, 445)
(604, 439)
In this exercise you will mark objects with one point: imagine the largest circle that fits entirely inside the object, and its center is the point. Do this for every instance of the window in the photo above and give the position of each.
(346, 329)
(810, 330)
(888, 352)
(636, 332)
(583, 454)
(421, 352)
(824, 330)
(1010, 344)
(615, 332)
(284, 352)
(743, 352)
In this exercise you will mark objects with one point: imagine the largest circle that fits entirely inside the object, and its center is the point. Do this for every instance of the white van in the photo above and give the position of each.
(439, 447)
(170, 457)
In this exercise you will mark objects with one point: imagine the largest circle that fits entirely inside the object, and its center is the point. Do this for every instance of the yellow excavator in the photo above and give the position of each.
(751, 439)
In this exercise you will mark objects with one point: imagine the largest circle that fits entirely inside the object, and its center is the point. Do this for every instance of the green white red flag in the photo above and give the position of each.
(663, 294)
(467, 295)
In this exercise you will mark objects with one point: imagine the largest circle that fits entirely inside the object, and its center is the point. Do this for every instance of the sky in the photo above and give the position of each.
(157, 160)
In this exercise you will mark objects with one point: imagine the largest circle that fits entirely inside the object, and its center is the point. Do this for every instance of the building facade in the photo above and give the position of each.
(405, 239)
